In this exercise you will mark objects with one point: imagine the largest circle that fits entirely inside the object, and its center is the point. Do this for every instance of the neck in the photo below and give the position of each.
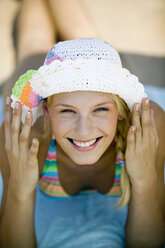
(74, 177)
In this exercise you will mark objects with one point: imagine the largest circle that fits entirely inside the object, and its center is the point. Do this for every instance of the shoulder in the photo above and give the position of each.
(159, 118)
(4, 167)
(159, 114)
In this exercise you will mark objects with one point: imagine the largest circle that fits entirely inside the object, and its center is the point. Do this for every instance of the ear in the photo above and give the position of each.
(46, 111)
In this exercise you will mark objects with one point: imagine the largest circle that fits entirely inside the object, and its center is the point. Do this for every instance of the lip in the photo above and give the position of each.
(83, 141)
(85, 149)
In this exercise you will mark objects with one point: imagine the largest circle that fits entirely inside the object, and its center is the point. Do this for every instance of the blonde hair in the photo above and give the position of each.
(49, 100)
(121, 134)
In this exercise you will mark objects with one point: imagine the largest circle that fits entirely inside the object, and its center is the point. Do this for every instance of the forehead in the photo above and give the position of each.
(83, 97)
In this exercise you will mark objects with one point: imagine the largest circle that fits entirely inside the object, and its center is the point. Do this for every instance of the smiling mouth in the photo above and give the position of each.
(85, 144)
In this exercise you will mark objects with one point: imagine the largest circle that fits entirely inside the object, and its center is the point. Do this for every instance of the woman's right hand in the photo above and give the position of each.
(22, 156)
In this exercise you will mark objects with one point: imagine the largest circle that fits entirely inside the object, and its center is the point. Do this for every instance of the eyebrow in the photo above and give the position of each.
(70, 106)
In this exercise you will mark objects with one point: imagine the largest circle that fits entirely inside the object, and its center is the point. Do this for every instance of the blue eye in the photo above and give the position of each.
(101, 109)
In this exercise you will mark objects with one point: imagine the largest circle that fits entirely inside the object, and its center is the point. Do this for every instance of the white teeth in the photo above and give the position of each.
(84, 144)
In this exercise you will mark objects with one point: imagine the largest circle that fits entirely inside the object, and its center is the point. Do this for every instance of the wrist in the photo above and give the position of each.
(148, 187)
(19, 195)
(146, 182)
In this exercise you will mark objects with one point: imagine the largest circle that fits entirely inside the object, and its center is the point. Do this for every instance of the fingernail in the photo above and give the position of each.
(34, 141)
(28, 115)
(16, 105)
(133, 128)
(137, 107)
(146, 101)
(7, 100)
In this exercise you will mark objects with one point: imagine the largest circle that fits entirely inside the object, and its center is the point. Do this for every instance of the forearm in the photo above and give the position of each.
(17, 225)
(145, 223)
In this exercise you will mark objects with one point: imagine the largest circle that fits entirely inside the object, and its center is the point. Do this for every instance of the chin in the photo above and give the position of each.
(84, 161)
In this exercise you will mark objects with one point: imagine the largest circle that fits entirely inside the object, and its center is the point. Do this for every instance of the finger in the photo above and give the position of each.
(33, 152)
(136, 122)
(145, 119)
(7, 123)
(152, 117)
(153, 124)
(25, 134)
(15, 128)
(131, 138)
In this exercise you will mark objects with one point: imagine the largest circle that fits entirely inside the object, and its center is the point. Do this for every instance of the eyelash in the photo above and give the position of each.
(102, 109)
(67, 111)
(71, 111)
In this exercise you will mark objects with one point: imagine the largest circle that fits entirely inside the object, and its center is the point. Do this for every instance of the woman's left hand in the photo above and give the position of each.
(142, 145)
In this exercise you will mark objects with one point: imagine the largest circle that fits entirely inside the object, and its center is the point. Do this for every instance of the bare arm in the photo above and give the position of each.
(20, 176)
(72, 20)
(145, 165)
(17, 227)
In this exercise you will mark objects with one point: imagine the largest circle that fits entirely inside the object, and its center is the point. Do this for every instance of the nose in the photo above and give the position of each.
(84, 127)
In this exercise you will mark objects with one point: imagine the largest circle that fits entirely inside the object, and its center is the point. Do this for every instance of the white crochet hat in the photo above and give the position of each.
(77, 65)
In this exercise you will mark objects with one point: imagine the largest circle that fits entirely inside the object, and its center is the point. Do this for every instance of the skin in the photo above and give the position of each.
(72, 20)
(143, 154)
(83, 122)
(70, 118)
(145, 166)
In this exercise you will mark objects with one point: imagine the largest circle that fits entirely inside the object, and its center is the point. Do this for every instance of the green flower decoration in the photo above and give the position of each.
(21, 82)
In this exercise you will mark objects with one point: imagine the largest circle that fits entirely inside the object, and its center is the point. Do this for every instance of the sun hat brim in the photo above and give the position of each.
(83, 75)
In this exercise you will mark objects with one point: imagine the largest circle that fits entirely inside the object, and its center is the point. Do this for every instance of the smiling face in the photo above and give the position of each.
(84, 124)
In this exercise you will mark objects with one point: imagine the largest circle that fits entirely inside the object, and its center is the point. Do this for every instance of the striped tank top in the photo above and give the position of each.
(49, 182)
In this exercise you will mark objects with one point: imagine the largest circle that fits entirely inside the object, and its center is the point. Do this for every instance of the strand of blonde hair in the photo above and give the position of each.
(122, 130)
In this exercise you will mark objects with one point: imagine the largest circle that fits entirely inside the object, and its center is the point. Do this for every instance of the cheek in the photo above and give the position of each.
(61, 126)
(108, 124)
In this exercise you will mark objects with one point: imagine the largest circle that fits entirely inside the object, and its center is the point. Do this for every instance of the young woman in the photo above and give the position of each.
(83, 132)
